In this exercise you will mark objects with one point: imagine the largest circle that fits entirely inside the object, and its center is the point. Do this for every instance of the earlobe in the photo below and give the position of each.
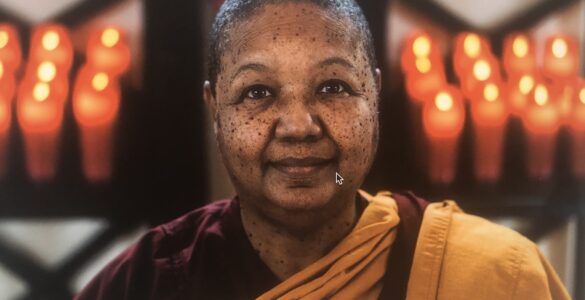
(209, 98)
(378, 75)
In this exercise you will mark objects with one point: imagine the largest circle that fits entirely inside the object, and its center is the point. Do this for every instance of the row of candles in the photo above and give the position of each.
(43, 90)
(543, 96)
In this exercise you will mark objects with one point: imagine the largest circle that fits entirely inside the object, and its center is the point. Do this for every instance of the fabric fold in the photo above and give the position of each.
(355, 267)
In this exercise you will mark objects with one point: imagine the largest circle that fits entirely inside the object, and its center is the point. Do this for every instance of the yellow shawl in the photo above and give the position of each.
(457, 256)
(355, 267)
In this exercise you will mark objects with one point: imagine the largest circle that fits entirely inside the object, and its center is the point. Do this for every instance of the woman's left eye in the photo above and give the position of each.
(333, 87)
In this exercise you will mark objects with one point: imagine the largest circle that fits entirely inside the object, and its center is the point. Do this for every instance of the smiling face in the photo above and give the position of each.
(295, 102)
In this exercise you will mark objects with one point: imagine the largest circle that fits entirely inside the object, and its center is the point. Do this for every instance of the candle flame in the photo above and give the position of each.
(4, 38)
(51, 40)
(471, 45)
(582, 95)
(520, 46)
(491, 92)
(46, 71)
(423, 65)
(41, 91)
(421, 46)
(100, 81)
(444, 101)
(526, 84)
(559, 48)
(110, 37)
(1, 69)
(482, 70)
(540, 95)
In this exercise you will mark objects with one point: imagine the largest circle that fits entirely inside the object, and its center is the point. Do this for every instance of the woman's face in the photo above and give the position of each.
(296, 102)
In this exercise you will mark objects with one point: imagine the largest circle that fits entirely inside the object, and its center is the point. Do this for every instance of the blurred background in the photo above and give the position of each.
(103, 132)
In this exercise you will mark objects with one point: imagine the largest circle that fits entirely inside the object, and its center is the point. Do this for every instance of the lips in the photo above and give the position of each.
(300, 167)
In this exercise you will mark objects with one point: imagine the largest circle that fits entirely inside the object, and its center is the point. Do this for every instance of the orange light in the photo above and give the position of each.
(46, 71)
(110, 37)
(526, 84)
(520, 46)
(491, 92)
(582, 95)
(472, 45)
(541, 95)
(482, 70)
(4, 38)
(100, 81)
(107, 50)
(41, 91)
(51, 40)
(421, 46)
(423, 65)
(1, 70)
(559, 48)
(444, 101)
(10, 51)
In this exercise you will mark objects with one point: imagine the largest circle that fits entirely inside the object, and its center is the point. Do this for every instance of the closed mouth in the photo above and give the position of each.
(301, 167)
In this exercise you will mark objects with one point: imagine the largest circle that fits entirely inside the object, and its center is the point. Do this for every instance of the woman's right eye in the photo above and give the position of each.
(258, 92)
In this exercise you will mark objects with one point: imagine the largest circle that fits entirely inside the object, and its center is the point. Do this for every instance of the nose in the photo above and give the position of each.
(297, 124)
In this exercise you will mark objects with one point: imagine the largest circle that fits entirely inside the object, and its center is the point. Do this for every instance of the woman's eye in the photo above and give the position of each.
(333, 87)
(258, 92)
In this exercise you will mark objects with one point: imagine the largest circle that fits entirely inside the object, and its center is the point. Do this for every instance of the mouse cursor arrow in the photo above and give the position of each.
(338, 179)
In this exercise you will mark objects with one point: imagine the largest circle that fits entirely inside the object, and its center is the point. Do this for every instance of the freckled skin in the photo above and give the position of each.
(292, 104)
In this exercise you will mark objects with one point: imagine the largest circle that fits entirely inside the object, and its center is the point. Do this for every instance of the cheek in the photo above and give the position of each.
(352, 127)
(242, 139)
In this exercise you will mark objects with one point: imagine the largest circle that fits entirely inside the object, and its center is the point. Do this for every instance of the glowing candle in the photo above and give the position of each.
(10, 51)
(421, 62)
(542, 121)
(489, 114)
(577, 130)
(561, 61)
(40, 115)
(47, 72)
(96, 101)
(7, 87)
(519, 88)
(107, 50)
(469, 48)
(443, 119)
(519, 56)
(483, 70)
(51, 43)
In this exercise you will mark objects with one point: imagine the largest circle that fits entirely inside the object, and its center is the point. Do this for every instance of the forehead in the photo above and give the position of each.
(300, 27)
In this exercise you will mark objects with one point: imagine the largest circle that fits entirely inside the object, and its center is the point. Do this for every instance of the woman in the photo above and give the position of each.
(293, 91)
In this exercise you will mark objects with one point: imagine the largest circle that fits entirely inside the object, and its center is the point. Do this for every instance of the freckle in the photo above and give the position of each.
(259, 134)
(282, 261)
(247, 123)
(313, 39)
(347, 224)
(297, 34)
(249, 234)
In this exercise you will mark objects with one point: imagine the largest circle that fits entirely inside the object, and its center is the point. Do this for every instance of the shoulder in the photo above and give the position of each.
(159, 259)
(480, 258)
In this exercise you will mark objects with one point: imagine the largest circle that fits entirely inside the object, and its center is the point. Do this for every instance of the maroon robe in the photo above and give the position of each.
(205, 254)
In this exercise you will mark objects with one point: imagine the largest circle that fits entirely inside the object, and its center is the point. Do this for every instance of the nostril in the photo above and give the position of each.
(298, 127)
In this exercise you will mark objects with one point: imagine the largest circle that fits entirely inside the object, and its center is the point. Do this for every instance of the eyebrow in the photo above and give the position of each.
(258, 67)
(336, 61)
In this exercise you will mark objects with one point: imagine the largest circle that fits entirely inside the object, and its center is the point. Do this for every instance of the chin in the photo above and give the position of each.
(301, 198)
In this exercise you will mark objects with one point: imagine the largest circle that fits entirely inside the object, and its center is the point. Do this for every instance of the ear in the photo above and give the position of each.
(210, 100)
(378, 79)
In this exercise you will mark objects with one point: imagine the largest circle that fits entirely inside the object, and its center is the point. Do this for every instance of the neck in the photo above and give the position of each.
(287, 249)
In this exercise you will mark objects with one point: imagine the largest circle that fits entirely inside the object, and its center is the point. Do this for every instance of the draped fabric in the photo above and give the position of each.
(355, 267)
